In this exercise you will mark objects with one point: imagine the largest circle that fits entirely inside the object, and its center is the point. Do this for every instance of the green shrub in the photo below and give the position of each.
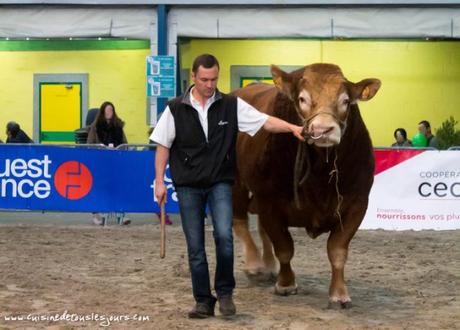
(447, 134)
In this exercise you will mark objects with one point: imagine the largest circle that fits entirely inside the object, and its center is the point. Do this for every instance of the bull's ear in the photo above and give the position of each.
(283, 81)
(366, 89)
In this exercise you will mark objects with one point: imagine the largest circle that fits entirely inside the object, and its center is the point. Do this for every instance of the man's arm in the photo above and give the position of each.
(250, 120)
(161, 159)
(163, 135)
(276, 125)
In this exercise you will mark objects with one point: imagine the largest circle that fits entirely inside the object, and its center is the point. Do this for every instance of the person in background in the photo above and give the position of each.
(15, 134)
(152, 148)
(424, 128)
(400, 135)
(107, 129)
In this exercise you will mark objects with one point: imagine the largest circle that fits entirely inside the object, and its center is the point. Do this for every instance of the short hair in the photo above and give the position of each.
(207, 61)
(425, 123)
(13, 128)
(402, 131)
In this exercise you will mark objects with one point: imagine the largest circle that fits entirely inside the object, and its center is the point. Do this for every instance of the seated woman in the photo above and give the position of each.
(400, 135)
(107, 129)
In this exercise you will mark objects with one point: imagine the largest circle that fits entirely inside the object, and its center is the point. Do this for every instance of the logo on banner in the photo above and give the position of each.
(73, 180)
(25, 178)
(440, 184)
(31, 178)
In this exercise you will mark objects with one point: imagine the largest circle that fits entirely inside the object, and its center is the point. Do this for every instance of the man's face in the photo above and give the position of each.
(205, 81)
(422, 129)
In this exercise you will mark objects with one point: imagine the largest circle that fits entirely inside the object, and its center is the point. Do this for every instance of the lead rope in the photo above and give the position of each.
(299, 159)
(302, 157)
(335, 172)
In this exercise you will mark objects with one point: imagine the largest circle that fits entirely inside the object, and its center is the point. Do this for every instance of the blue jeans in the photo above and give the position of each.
(192, 204)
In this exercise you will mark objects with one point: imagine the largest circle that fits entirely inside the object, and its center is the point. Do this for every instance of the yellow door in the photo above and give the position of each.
(60, 111)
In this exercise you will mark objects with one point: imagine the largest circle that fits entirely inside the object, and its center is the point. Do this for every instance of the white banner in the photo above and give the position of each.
(415, 189)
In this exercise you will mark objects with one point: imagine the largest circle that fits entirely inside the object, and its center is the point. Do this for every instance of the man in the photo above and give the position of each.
(425, 128)
(198, 132)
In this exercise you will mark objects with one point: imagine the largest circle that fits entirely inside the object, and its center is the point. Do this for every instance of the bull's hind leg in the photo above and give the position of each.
(254, 265)
(337, 251)
(284, 251)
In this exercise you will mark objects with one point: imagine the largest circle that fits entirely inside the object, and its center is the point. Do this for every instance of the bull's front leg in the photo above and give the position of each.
(284, 251)
(268, 257)
(337, 251)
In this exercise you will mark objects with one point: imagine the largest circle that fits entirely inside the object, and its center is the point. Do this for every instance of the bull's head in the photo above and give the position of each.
(322, 97)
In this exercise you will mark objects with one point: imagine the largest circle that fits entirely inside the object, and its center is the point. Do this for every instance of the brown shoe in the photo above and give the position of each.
(226, 306)
(201, 311)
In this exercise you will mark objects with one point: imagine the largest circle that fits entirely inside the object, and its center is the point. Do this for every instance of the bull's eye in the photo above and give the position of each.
(304, 100)
(346, 102)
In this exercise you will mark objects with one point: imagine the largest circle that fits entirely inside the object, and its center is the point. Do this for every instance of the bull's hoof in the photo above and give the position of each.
(260, 277)
(285, 290)
(337, 305)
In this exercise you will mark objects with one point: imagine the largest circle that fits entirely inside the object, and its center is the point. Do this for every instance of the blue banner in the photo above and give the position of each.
(53, 178)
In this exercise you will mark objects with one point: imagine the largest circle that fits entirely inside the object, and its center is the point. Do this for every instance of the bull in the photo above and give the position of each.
(321, 184)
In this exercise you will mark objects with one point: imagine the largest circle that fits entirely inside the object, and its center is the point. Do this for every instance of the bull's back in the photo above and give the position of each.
(259, 95)
(250, 150)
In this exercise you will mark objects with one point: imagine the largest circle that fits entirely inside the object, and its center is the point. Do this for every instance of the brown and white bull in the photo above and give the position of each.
(322, 184)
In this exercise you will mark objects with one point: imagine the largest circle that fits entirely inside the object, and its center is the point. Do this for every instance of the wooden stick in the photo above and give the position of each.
(162, 231)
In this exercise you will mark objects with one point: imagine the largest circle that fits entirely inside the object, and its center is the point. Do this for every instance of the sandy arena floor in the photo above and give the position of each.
(397, 280)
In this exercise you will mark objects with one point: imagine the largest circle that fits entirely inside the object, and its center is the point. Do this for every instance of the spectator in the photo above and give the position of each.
(107, 129)
(425, 129)
(15, 134)
(400, 135)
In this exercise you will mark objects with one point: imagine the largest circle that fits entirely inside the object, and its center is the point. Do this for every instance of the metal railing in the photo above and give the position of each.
(137, 146)
(405, 148)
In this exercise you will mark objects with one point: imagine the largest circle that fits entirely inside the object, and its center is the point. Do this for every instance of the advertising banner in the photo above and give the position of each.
(415, 189)
(53, 178)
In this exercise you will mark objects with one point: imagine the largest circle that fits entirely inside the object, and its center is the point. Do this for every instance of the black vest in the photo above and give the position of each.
(194, 161)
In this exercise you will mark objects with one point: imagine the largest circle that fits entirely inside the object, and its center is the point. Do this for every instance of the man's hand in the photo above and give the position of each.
(160, 193)
(297, 131)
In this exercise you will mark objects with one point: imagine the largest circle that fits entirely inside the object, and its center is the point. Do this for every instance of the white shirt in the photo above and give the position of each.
(250, 120)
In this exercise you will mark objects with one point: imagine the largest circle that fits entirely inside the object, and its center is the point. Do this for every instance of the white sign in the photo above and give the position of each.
(421, 192)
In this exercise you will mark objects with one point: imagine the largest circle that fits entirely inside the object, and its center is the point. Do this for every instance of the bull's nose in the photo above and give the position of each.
(320, 131)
